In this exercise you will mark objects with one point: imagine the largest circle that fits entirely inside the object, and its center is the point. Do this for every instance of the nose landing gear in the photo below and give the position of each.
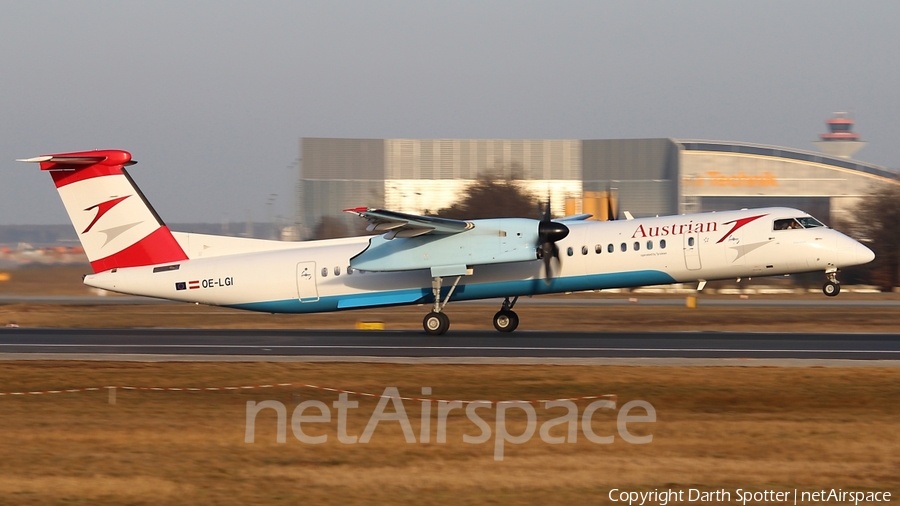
(831, 287)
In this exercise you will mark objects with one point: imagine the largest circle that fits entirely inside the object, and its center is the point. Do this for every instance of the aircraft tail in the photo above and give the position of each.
(116, 225)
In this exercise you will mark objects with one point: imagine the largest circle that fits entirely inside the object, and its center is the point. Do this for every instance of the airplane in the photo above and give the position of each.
(132, 251)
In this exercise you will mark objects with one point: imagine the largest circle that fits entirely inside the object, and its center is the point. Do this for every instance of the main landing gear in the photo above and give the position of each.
(506, 320)
(436, 322)
(831, 287)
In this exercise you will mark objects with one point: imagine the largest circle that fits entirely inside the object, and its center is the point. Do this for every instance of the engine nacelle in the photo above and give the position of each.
(493, 241)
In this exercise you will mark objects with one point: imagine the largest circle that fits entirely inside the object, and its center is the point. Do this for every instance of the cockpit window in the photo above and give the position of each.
(787, 224)
(797, 223)
(810, 222)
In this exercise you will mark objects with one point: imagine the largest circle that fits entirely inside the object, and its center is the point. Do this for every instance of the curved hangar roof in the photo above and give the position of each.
(791, 154)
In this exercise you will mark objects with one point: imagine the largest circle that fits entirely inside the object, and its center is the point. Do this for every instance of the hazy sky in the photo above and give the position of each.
(212, 97)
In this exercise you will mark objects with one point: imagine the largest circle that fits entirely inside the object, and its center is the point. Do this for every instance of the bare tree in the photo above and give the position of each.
(875, 222)
(330, 227)
(493, 198)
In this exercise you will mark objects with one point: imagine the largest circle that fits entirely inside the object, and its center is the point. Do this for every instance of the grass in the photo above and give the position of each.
(43, 280)
(754, 428)
(751, 428)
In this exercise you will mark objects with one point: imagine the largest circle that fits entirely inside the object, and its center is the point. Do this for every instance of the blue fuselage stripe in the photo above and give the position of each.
(463, 292)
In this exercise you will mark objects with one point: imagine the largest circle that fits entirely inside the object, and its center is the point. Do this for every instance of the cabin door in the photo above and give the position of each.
(692, 251)
(306, 282)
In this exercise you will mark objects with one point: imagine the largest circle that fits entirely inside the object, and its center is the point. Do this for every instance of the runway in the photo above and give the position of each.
(100, 343)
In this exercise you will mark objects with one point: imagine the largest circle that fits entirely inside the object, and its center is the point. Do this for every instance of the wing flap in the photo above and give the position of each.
(575, 217)
(408, 225)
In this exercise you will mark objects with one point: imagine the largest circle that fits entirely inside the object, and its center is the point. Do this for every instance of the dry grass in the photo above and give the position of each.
(755, 428)
(547, 318)
(42, 280)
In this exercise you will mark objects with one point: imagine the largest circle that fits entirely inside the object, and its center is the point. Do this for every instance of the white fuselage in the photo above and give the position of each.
(317, 275)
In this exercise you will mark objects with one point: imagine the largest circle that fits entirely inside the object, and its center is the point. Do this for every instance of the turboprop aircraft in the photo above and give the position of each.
(132, 251)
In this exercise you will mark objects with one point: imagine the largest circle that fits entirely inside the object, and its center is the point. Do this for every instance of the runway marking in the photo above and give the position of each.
(448, 348)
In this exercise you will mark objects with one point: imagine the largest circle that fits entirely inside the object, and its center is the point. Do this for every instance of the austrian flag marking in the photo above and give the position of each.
(204, 283)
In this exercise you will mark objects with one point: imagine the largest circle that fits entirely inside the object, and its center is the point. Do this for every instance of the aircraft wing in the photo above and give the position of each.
(574, 217)
(409, 225)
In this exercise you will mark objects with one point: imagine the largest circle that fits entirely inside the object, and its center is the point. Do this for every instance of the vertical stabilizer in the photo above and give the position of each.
(115, 223)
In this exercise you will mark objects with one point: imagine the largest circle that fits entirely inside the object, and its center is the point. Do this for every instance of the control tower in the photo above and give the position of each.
(840, 141)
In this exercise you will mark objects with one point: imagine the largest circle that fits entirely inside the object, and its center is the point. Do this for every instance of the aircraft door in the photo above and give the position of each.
(692, 251)
(306, 282)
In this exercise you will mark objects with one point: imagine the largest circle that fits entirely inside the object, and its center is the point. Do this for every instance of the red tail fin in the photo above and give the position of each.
(115, 223)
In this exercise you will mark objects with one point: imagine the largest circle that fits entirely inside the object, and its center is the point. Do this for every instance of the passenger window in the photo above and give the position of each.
(569, 251)
(690, 241)
(349, 270)
(637, 246)
(584, 250)
(337, 271)
(623, 247)
(598, 249)
(610, 248)
(662, 244)
(324, 272)
(649, 245)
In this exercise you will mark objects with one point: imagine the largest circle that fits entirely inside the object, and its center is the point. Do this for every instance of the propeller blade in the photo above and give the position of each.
(547, 273)
(549, 232)
(552, 254)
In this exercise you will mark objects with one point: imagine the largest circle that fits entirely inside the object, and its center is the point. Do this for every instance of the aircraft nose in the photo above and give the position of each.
(863, 254)
(852, 252)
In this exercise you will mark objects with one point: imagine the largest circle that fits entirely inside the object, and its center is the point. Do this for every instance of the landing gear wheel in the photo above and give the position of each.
(506, 320)
(436, 323)
(831, 289)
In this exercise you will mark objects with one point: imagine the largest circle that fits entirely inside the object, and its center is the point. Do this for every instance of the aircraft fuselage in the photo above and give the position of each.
(319, 276)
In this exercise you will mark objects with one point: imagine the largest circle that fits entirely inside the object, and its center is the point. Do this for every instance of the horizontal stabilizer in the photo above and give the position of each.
(74, 160)
(84, 159)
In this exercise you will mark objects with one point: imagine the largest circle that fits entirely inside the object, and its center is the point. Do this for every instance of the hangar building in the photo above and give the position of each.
(648, 176)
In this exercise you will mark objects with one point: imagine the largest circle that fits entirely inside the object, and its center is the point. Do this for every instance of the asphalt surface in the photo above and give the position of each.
(529, 344)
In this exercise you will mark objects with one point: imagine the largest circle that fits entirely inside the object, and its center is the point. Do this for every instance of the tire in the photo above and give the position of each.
(831, 289)
(506, 320)
(436, 324)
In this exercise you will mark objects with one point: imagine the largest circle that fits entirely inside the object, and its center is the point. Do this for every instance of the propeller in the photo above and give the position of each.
(549, 232)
